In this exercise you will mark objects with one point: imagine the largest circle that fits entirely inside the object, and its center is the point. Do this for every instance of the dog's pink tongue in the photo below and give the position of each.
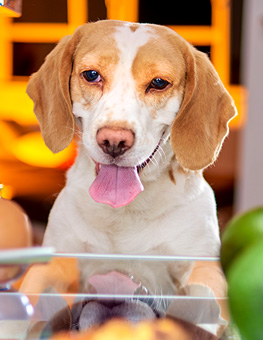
(113, 283)
(116, 186)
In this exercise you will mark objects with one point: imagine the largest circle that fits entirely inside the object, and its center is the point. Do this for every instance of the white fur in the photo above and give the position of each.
(126, 39)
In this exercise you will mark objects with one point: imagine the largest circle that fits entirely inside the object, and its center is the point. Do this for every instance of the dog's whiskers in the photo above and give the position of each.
(154, 161)
(160, 305)
(162, 154)
(77, 133)
(148, 165)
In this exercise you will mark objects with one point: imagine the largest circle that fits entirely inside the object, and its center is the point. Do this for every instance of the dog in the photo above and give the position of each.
(150, 114)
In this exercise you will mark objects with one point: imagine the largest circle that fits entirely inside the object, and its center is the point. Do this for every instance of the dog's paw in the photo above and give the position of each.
(197, 304)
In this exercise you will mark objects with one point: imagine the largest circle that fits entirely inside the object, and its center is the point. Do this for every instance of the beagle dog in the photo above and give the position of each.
(149, 113)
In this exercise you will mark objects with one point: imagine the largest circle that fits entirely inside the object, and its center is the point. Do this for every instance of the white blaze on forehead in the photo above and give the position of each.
(129, 41)
(122, 99)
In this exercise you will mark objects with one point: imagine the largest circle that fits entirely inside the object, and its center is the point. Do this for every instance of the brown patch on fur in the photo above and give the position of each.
(49, 86)
(133, 27)
(159, 60)
(101, 55)
(201, 125)
(49, 90)
(182, 170)
(108, 115)
(171, 175)
(118, 124)
(173, 159)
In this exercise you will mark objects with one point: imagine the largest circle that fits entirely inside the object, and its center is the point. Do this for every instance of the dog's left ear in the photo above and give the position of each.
(201, 124)
(49, 90)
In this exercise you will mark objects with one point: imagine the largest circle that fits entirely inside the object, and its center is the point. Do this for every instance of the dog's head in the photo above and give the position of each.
(130, 87)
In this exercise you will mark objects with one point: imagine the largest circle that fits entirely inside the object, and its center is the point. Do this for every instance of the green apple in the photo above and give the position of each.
(239, 233)
(245, 282)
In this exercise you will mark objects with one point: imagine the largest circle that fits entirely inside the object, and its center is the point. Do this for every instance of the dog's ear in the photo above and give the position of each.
(49, 90)
(201, 124)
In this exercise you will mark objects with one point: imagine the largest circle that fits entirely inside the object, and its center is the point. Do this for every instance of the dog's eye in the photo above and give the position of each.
(158, 84)
(91, 76)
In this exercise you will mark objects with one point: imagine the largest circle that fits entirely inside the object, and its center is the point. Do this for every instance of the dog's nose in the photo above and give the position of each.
(115, 142)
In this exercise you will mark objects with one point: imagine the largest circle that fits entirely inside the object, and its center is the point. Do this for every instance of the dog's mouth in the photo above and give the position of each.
(117, 186)
(118, 298)
(147, 161)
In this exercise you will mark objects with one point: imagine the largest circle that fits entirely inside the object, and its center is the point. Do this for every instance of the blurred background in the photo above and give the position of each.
(229, 31)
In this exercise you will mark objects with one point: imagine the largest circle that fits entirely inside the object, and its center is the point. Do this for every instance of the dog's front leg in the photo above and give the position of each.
(208, 287)
(60, 273)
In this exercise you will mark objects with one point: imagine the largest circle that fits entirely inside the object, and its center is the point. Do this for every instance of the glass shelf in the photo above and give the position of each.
(196, 305)
(152, 258)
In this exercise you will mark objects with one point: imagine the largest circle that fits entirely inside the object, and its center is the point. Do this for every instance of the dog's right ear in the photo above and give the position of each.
(49, 90)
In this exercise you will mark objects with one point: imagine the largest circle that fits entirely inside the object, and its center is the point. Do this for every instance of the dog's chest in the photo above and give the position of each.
(121, 231)
(163, 217)
(137, 232)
